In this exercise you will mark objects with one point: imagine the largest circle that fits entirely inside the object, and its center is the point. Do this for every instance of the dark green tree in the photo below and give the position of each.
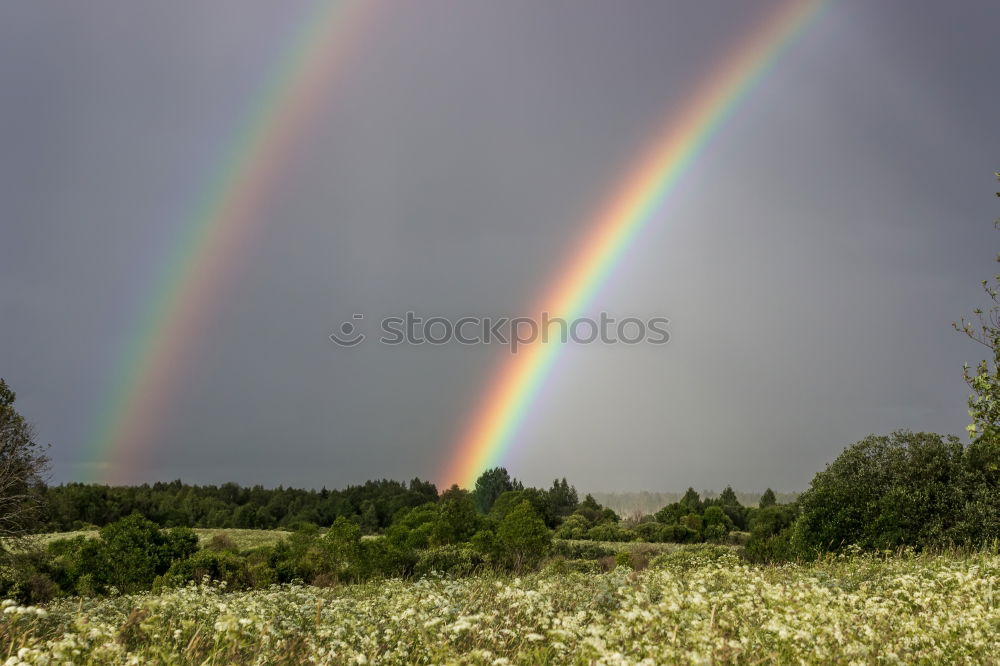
(692, 501)
(562, 499)
(523, 537)
(728, 497)
(767, 499)
(457, 518)
(490, 485)
(885, 492)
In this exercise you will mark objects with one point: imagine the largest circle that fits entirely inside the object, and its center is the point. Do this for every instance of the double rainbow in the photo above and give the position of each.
(638, 199)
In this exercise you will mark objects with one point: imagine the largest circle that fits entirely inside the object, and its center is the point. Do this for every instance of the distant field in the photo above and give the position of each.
(243, 539)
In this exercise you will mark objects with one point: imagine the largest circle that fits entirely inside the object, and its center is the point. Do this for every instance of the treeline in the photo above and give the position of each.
(916, 490)
(648, 502)
(372, 505)
(379, 529)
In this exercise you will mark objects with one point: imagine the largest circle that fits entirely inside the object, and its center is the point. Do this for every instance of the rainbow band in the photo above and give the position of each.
(217, 232)
(639, 198)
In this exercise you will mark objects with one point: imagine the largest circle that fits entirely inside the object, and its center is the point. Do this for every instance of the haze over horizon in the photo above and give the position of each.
(810, 265)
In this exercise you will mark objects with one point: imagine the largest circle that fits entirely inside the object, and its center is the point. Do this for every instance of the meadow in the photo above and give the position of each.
(695, 604)
(242, 539)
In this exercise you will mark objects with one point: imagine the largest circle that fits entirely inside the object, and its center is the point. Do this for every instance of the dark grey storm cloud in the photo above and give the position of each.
(810, 264)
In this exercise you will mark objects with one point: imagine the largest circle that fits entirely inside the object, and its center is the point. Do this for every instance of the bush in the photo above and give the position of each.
(907, 489)
(131, 553)
(652, 532)
(610, 532)
(574, 527)
(451, 560)
(216, 565)
(523, 538)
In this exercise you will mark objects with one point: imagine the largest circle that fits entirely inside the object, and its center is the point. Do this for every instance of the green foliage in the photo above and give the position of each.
(906, 489)
(728, 497)
(984, 380)
(573, 527)
(610, 532)
(457, 518)
(715, 517)
(590, 509)
(523, 538)
(507, 502)
(562, 499)
(23, 463)
(216, 565)
(172, 504)
(671, 514)
(653, 532)
(490, 485)
(451, 560)
(692, 501)
(767, 499)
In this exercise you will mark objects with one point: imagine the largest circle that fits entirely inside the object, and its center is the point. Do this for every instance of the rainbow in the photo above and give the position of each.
(638, 199)
(213, 238)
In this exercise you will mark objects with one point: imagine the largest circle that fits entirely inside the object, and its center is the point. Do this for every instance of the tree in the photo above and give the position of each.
(692, 501)
(884, 492)
(728, 497)
(714, 515)
(490, 485)
(523, 537)
(457, 519)
(23, 464)
(132, 552)
(768, 499)
(562, 499)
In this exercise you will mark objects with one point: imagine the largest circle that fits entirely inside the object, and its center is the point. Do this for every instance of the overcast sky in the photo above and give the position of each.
(811, 263)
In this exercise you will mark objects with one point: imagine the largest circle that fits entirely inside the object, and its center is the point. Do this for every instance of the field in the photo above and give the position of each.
(243, 539)
(688, 606)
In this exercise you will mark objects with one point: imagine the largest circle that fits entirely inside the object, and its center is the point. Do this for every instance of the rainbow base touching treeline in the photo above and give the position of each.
(639, 198)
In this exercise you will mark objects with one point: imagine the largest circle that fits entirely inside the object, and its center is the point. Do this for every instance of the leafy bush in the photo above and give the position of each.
(523, 538)
(216, 565)
(906, 489)
(610, 532)
(574, 527)
(452, 560)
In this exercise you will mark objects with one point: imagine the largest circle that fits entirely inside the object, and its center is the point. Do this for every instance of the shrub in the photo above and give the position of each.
(216, 565)
(652, 532)
(451, 560)
(886, 492)
(523, 537)
(574, 527)
(610, 532)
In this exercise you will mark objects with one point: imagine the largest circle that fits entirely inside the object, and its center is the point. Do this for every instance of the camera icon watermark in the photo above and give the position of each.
(514, 332)
(349, 335)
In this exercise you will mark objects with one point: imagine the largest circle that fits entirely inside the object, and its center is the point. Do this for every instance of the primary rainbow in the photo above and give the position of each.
(215, 234)
(636, 201)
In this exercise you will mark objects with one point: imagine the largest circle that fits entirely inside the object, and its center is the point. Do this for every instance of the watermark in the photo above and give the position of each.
(514, 332)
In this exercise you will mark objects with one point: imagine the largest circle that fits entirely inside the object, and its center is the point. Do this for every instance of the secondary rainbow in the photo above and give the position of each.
(638, 199)
(214, 237)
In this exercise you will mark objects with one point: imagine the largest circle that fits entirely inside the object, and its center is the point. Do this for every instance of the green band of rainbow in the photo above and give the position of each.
(214, 238)
(638, 199)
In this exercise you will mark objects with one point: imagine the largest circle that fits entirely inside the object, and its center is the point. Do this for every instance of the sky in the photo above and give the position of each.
(810, 263)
